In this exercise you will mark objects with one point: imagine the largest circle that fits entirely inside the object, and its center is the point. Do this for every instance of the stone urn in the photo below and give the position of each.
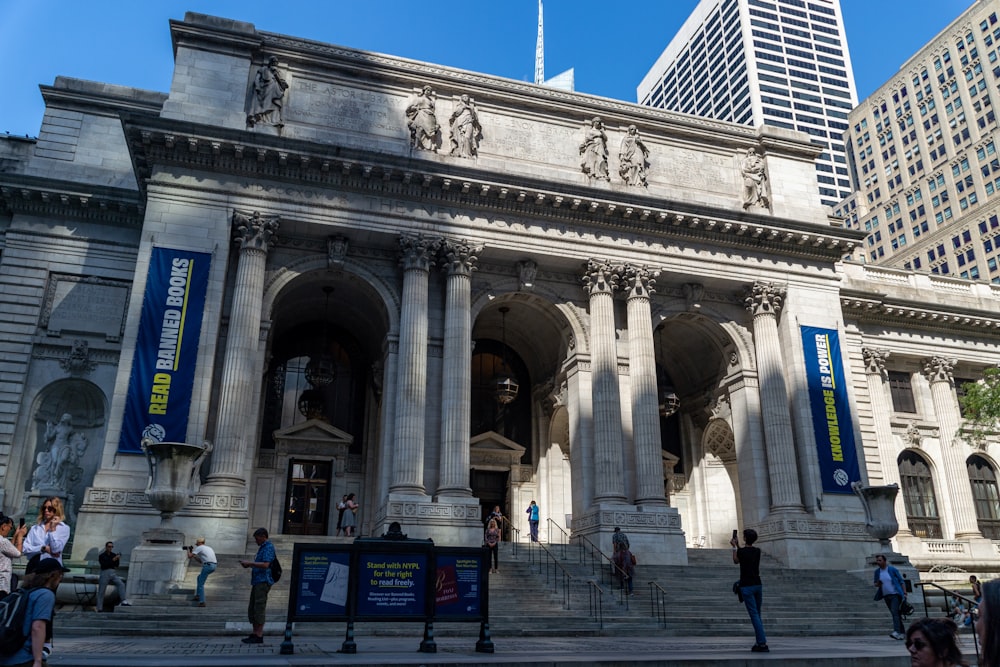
(173, 475)
(880, 511)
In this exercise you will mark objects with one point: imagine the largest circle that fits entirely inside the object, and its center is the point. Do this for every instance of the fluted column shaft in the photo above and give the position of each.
(458, 260)
(411, 397)
(254, 234)
(642, 372)
(764, 301)
(881, 410)
(609, 475)
(939, 373)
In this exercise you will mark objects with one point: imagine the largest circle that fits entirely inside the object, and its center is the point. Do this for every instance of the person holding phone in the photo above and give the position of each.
(9, 550)
(109, 561)
(751, 587)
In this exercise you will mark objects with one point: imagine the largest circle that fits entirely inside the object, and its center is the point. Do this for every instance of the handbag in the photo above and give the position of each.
(634, 561)
(737, 591)
(905, 608)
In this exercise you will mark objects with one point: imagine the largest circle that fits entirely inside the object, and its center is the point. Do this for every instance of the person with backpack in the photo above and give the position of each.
(40, 589)
(261, 581)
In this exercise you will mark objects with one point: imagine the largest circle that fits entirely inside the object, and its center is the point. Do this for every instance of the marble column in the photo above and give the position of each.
(458, 260)
(764, 301)
(642, 372)
(254, 234)
(411, 399)
(955, 477)
(876, 375)
(600, 282)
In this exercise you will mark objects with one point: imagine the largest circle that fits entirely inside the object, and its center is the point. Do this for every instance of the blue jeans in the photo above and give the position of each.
(534, 530)
(753, 598)
(893, 602)
(206, 569)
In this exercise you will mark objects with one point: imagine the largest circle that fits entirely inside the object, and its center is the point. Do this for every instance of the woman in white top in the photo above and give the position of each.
(9, 550)
(48, 537)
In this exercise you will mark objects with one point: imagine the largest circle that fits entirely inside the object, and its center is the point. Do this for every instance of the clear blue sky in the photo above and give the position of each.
(611, 45)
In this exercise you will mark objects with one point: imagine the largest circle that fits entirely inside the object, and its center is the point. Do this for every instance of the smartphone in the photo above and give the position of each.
(21, 522)
(735, 534)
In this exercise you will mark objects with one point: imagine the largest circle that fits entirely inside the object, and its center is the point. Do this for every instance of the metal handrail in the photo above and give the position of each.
(596, 601)
(558, 572)
(566, 536)
(657, 603)
(948, 596)
(612, 570)
(517, 535)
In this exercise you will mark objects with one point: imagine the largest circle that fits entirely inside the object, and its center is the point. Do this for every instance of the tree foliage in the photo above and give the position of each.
(981, 405)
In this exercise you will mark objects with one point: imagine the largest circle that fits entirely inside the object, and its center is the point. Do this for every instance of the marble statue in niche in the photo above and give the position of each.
(594, 151)
(422, 121)
(269, 88)
(465, 128)
(756, 188)
(59, 466)
(632, 156)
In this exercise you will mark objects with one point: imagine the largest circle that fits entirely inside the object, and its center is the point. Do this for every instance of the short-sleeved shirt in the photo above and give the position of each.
(205, 554)
(265, 554)
(41, 603)
(749, 558)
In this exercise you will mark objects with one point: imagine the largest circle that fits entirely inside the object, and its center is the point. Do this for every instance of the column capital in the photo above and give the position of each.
(764, 298)
(417, 251)
(253, 230)
(940, 369)
(640, 281)
(875, 360)
(600, 277)
(459, 257)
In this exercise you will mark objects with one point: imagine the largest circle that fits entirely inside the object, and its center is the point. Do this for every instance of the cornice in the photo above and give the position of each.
(33, 195)
(451, 182)
(877, 309)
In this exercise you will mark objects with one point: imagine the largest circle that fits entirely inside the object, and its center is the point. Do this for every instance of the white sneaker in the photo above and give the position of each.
(46, 651)
(126, 603)
(897, 635)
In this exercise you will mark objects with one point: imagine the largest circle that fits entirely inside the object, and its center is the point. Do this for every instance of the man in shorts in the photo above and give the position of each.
(260, 582)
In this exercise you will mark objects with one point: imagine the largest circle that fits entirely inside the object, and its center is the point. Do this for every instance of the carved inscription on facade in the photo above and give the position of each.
(336, 106)
(88, 306)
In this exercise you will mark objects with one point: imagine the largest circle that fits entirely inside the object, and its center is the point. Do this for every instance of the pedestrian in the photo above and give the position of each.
(341, 506)
(110, 561)
(492, 539)
(206, 556)
(988, 624)
(624, 560)
(931, 643)
(41, 605)
(260, 585)
(350, 521)
(48, 537)
(977, 588)
(532, 513)
(890, 587)
(751, 587)
(8, 550)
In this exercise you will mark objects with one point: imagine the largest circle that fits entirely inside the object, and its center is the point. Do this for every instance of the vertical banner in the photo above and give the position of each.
(159, 390)
(831, 413)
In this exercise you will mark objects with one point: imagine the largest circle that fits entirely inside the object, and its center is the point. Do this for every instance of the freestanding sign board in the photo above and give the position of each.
(388, 579)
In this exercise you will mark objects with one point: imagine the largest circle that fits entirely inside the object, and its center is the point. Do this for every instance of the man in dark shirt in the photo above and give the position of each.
(109, 575)
(748, 558)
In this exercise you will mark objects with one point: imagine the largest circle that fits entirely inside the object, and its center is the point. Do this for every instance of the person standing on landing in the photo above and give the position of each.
(889, 586)
(532, 513)
(751, 587)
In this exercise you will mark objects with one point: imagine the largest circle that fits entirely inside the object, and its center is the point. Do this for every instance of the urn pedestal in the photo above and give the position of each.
(879, 503)
(158, 565)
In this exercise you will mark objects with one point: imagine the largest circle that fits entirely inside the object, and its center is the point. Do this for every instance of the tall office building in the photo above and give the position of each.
(777, 62)
(924, 158)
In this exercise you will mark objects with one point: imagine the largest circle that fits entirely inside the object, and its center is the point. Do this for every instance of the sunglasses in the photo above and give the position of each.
(918, 644)
(48, 508)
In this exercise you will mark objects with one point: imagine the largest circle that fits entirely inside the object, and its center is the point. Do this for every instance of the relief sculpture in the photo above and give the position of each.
(269, 88)
(465, 128)
(632, 156)
(422, 121)
(756, 188)
(594, 151)
(59, 467)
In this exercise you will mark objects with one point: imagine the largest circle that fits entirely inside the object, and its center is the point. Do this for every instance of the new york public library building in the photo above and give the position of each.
(444, 291)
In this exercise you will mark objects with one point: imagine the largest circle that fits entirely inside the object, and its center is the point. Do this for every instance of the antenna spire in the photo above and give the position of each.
(540, 49)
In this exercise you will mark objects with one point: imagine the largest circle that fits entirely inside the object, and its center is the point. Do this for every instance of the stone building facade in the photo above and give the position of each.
(443, 291)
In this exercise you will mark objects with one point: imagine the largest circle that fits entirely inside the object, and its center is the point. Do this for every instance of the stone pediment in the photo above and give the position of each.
(492, 449)
(313, 437)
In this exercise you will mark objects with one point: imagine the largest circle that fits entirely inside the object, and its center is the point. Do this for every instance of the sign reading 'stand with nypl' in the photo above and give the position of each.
(159, 392)
(831, 412)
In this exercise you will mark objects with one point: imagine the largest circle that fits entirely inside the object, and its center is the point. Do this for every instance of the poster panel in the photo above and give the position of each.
(392, 584)
(320, 584)
(460, 585)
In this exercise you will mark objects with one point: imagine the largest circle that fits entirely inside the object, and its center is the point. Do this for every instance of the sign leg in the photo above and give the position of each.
(485, 644)
(428, 645)
(287, 647)
(349, 646)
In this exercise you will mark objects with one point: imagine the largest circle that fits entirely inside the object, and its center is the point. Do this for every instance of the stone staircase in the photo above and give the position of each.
(530, 598)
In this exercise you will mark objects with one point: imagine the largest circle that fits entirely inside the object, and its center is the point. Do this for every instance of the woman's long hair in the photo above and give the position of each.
(989, 610)
(57, 509)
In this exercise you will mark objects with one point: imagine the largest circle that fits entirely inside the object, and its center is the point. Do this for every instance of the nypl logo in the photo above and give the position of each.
(840, 477)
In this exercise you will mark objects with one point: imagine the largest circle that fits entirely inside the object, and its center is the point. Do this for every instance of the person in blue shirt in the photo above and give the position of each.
(41, 603)
(260, 582)
(532, 512)
(890, 587)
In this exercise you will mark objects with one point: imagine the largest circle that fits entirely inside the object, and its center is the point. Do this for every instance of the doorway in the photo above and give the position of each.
(490, 487)
(307, 500)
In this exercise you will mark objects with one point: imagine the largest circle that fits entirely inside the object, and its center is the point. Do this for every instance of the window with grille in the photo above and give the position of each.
(918, 496)
(984, 493)
(902, 392)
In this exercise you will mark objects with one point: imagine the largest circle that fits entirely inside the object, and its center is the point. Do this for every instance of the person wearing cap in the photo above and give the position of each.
(206, 556)
(109, 561)
(260, 582)
(41, 604)
(9, 549)
(48, 537)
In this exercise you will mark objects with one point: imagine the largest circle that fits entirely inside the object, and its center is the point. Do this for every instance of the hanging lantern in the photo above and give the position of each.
(311, 404)
(505, 385)
(321, 371)
(669, 402)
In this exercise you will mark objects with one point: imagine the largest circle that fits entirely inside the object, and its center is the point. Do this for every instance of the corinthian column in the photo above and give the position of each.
(458, 260)
(642, 372)
(411, 396)
(881, 410)
(764, 301)
(254, 234)
(600, 282)
(938, 372)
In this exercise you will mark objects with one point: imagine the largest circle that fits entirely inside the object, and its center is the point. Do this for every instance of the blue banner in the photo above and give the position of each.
(831, 413)
(159, 390)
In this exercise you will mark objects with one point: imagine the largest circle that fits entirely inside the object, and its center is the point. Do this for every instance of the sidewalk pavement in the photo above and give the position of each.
(130, 651)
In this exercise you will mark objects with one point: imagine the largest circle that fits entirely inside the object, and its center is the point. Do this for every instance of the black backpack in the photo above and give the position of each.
(13, 611)
(275, 567)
